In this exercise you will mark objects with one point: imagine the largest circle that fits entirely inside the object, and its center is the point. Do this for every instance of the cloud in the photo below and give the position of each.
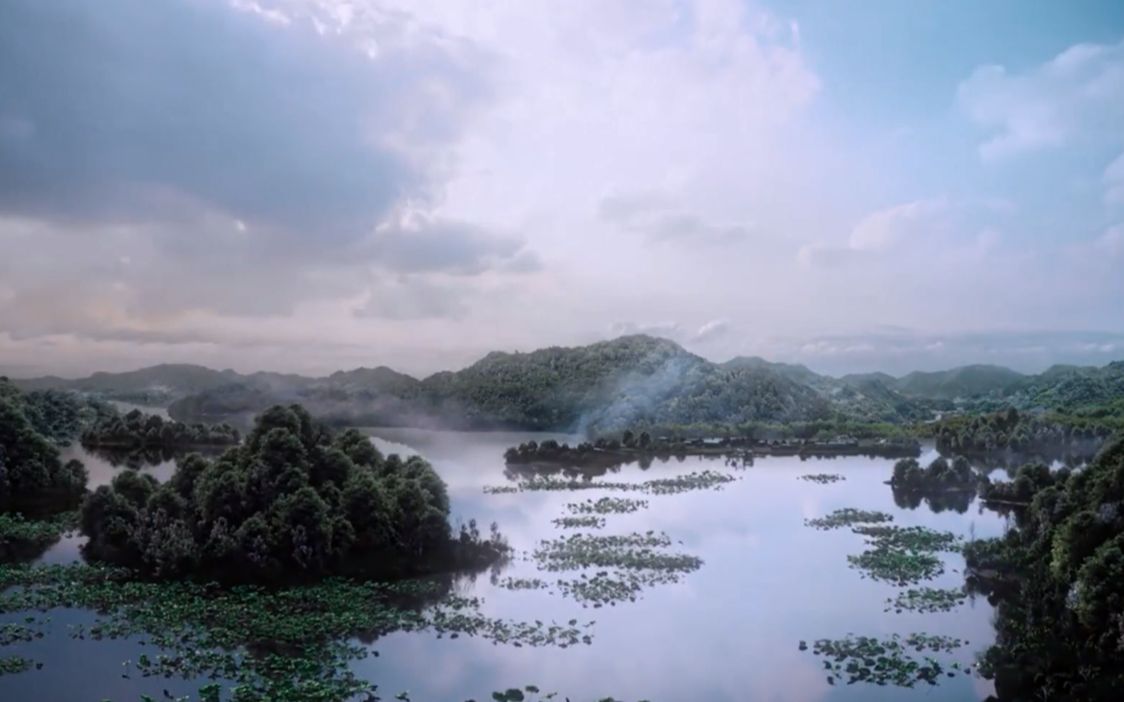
(413, 298)
(652, 215)
(1078, 93)
(665, 329)
(913, 224)
(711, 330)
(181, 162)
(412, 241)
(886, 228)
(277, 125)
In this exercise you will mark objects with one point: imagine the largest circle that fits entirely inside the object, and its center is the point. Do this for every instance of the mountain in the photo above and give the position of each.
(632, 380)
(156, 384)
(962, 382)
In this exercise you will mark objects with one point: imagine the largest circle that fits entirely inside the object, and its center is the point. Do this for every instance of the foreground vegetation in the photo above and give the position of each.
(1057, 580)
(32, 476)
(291, 643)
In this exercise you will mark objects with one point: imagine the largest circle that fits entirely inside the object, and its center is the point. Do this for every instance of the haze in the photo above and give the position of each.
(313, 185)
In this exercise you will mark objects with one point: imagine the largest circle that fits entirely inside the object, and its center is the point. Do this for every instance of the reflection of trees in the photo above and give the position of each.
(938, 500)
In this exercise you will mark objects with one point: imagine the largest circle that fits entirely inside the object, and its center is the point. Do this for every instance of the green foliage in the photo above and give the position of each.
(848, 516)
(822, 478)
(890, 661)
(136, 430)
(1021, 433)
(295, 501)
(701, 480)
(623, 565)
(939, 476)
(926, 600)
(24, 539)
(31, 474)
(288, 643)
(1057, 580)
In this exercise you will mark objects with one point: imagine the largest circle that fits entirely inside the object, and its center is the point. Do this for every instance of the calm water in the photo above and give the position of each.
(728, 631)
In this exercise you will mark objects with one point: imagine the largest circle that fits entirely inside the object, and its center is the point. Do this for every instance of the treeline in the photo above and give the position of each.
(1057, 580)
(32, 476)
(1020, 433)
(57, 415)
(136, 430)
(295, 501)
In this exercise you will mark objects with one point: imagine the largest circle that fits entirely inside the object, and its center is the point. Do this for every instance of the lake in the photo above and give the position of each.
(728, 631)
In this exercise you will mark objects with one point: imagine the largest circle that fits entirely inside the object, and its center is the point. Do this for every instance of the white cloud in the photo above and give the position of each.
(886, 228)
(711, 330)
(1078, 93)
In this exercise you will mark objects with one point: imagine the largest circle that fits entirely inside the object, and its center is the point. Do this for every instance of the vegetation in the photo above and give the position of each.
(886, 661)
(295, 501)
(57, 415)
(702, 480)
(940, 475)
(822, 478)
(640, 446)
(624, 565)
(291, 643)
(1057, 580)
(926, 600)
(138, 431)
(607, 505)
(32, 477)
(588, 521)
(23, 539)
(1010, 431)
(848, 516)
(636, 382)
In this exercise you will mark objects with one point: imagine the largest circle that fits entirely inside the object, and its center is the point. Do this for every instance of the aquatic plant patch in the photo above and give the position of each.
(278, 644)
(914, 538)
(701, 480)
(927, 600)
(897, 566)
(15, 664)
(848, 516)
(586, 521)
(637, 551)
(822, 478)
(523, 584)
(627, 565)
(607, 505)
(889, 661)
(612, 587)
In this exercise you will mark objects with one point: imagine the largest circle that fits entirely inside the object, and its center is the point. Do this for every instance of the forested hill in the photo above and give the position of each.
(628, 381)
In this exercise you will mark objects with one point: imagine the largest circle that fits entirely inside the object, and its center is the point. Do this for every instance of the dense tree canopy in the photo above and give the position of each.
(136, 430)
(31, 472)
(1021, 433)
(1058, 581)
(293, 501)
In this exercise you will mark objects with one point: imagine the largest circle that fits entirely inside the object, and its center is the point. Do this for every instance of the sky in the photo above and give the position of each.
(310, 185)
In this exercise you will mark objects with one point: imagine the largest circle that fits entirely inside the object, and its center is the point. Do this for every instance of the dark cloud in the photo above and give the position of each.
(125, 104)
(162, 159)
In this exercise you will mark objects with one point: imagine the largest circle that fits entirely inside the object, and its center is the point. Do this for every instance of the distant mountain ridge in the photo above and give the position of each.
(625, 381)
